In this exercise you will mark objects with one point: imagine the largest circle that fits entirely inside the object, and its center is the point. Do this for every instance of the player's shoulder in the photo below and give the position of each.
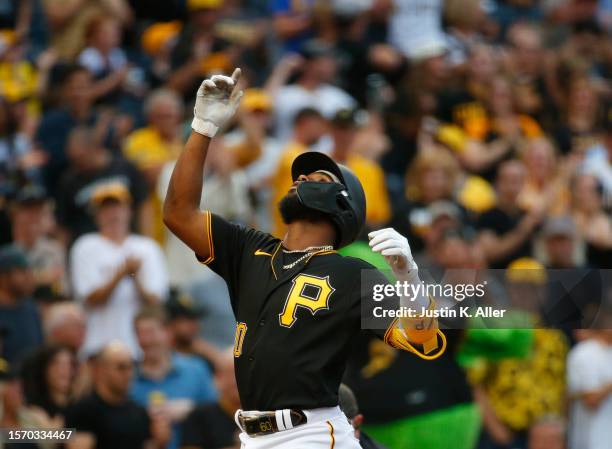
(356, 268)
(254, 237)
(354, 263)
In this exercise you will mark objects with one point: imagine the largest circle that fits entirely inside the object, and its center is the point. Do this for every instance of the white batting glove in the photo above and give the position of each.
(396, 250)
(216, 102)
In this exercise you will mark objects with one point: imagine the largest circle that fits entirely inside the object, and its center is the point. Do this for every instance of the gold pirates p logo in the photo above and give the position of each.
(310, 292)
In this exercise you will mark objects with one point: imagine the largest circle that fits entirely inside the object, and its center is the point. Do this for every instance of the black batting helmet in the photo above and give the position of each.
(343, 201)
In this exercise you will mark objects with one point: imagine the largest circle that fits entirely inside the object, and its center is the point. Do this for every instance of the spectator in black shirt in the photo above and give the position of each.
(92, 165)
(196, 47)
(212, 426)
(18, 314)
(592, 222)
(572, 288)
(75, 108)
(108, 418)
(505, 230)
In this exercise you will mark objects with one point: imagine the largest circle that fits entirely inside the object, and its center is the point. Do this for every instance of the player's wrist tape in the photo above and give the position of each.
(204, 127)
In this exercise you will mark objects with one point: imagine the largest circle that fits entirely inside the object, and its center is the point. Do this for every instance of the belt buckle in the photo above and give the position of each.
(257, 425)
(265, 425)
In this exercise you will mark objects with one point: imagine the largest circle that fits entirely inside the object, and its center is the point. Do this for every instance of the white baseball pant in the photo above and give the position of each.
(326, 428)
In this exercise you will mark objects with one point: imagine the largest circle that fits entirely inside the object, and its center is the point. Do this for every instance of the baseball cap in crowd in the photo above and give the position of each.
(6, 371)
(48, 294)
(431, 48)
(31, 195)
(256, 100)
(115, 191)
(526, 270)
(559, 227)
(345, 118)
(315, 48)
(181, 305)
(462, 232)
(443, 208)
(12, 258)
(215, 62)
(158, 36)
(195, 5)
(350, 8)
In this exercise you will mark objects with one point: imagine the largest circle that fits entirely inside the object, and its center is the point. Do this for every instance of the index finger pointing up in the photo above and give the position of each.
(236, 75)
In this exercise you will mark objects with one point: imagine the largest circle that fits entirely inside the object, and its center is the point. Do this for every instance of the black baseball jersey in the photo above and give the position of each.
(294, 326)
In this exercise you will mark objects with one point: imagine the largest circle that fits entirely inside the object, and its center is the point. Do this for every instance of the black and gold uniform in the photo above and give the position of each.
(298, 312)
(294, 325)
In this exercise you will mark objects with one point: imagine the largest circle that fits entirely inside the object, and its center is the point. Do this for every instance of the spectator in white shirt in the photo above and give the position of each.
(103, 56)
(589, 372)
(415, 24)
(598, 161)
(114, 272)
(313, 89)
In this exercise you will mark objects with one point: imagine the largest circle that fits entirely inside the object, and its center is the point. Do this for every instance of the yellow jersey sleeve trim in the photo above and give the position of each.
(272, 260)
(392, 326)
(398, 338)
(208, 232)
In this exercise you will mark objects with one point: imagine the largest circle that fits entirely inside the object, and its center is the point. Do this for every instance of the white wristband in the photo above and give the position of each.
(204, 127)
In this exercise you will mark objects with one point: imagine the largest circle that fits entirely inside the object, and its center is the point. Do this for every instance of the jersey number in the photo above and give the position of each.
(310, 292)
(241, 329)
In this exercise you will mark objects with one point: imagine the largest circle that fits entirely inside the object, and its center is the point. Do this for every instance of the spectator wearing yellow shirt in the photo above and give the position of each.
(547, 178)
(149, 148)
(482, 142)
(22, 81)
(253, 148)
(343, 133)
(516, 392)
(343, 130)
(160, 141)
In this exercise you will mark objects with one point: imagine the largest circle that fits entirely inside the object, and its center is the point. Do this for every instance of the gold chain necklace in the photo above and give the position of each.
(311, 250)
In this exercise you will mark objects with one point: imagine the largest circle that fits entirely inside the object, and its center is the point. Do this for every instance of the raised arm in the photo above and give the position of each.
(216, 102)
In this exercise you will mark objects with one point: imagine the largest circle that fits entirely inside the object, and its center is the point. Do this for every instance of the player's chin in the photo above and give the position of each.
(290, 207)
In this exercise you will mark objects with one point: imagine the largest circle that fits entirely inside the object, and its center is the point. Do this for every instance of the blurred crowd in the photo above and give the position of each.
(480, 129)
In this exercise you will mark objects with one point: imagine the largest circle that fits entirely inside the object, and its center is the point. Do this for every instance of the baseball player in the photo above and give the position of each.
(297, 302)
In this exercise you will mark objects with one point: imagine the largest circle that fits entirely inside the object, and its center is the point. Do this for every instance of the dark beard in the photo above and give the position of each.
(292, 210)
